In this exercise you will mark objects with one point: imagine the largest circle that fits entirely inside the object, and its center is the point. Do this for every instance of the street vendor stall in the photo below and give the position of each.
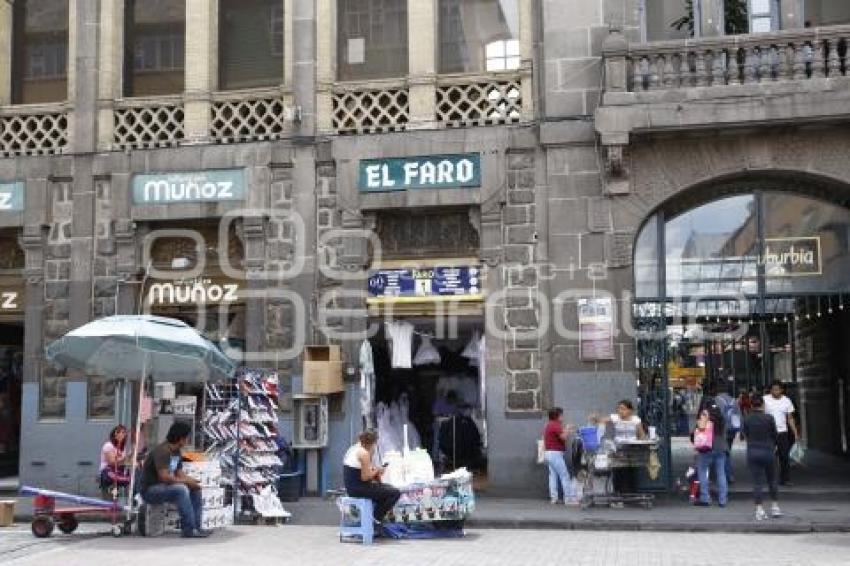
(447, 498)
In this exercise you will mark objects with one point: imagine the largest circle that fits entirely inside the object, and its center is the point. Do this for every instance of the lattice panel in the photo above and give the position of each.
(371, 111)
(33, 134)
(147, 127)
(248, 120)
(479, 104)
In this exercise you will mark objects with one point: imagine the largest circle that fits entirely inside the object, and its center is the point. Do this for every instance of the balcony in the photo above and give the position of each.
(34, 129)
(788, 76)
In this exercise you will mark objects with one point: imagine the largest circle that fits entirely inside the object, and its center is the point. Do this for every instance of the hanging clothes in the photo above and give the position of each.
(472, 350)
(427, 353)
(367, 384)
(401, 335)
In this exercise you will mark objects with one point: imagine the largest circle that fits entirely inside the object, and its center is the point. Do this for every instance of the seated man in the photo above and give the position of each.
(163, 481)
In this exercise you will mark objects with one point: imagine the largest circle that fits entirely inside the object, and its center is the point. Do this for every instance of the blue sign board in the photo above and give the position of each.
(424, 172)
(194, 186)
(11, 196)
(429, 282)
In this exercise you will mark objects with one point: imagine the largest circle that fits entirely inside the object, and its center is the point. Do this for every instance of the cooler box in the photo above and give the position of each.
(322, 370)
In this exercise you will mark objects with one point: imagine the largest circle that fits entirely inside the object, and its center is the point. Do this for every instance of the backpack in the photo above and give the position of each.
(730, 412)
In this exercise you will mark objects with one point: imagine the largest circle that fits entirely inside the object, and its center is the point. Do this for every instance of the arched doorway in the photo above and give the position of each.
(738, 285)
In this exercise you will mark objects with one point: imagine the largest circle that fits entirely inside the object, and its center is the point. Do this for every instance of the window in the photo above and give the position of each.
(372, 39)
(479, 35)
(101, 398)
(250, 43)
(763, 16)
(678, 19)
(52, 394)
(155, 54)
(40, 51)
(667, 19)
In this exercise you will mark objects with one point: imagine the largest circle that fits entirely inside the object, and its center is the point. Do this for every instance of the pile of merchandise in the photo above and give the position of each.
(161, 519)
(241, 429)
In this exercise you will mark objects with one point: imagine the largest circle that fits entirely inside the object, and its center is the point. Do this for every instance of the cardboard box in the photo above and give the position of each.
(322, 370)
(7, 513)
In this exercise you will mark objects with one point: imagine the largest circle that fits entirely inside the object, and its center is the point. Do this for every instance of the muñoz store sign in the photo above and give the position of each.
(219, 185)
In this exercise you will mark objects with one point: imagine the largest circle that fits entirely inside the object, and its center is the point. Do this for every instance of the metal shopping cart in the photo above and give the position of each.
(601, 457)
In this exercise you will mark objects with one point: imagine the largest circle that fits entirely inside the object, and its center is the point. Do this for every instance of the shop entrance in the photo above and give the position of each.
(11, 379)
(736, 293)
(439, 397)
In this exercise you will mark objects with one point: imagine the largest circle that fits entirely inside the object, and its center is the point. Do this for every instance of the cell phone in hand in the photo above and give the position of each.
(385, 464)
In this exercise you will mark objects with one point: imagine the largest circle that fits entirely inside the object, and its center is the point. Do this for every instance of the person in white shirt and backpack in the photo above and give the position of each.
(780, 407)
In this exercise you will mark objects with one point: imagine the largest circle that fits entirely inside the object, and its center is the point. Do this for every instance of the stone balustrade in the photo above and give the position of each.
(806, 54)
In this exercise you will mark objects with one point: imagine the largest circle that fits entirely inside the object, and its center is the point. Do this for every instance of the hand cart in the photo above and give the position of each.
(601, 458)
(46, 516)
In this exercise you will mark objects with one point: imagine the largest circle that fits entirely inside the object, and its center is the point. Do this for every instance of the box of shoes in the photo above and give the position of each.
(207, 473)
(322, 370)
(212, 497)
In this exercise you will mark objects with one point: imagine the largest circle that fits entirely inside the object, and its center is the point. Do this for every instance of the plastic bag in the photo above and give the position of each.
(798, 453)
(541, 452)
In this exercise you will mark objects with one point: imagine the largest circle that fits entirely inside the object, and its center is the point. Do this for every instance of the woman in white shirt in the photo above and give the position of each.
(363, 479)
(627, 426)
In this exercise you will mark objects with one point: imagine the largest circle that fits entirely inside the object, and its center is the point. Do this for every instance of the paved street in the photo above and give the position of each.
(319, 546)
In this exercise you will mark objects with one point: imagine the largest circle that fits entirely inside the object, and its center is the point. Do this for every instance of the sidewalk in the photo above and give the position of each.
(802, 515)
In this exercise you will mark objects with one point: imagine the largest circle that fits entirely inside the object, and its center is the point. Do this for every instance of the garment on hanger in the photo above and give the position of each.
(472, 350)
(367, 384)
(427, 353)
(401, 335)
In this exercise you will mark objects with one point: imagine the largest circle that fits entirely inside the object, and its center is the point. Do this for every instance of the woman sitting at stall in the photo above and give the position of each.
(113, 461)
(363, 479)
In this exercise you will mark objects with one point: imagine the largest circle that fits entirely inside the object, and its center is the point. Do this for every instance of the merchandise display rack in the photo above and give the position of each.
(240, 424)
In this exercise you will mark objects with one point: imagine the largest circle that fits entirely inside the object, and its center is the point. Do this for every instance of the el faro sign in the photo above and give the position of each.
(199, 186)
(424, 172)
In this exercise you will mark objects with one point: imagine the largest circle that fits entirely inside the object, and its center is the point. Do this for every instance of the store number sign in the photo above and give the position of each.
(424, 172)
(198, 186)
(11, 196)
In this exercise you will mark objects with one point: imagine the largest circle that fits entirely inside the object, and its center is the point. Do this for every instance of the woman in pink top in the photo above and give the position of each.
(113, 460)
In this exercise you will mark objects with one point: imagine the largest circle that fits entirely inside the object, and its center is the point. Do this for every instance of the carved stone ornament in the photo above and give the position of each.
(615, 161)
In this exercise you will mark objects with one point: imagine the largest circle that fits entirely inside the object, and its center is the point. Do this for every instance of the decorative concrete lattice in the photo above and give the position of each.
(33, 134)
(141, 127)
(370, 111)
(479, 104)
(248, 120)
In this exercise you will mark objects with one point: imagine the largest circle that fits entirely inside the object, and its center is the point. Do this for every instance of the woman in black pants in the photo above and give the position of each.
(363, 479)
(760, 432)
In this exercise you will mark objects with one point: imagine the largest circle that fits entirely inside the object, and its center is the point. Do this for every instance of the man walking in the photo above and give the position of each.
(780, 407)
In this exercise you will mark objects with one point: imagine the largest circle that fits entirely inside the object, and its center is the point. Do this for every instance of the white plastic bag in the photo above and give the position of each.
(541, 452)
(798, 453)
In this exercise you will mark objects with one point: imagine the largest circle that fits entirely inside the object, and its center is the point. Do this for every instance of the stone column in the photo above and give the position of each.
(792, 14)
(710, 18)
(302, 62)
(201, 67)
(5, 53)
(526, 52)
(326, 63)
(422, 64)
(83, 73)
(110, 67)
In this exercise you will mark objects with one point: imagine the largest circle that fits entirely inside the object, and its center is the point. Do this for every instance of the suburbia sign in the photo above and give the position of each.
(788, 257)
(425, 172)
(200, 186)
(11, 197)
(200, 291)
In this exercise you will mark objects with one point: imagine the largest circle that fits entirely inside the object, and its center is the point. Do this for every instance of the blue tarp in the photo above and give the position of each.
(421, 531)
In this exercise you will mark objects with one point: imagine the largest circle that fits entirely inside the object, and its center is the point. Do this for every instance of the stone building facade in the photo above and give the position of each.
(580, 142)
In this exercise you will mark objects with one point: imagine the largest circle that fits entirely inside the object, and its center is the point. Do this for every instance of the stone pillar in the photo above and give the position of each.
(526, 52)
(614, 51)
(710, 18)
(5, 53)
(524, 387)
(83, 73)
(110, 67)
(422, 64)
(301, 61)
(201, 67)
(326, 52)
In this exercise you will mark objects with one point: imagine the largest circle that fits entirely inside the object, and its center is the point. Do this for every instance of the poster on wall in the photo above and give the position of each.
(596, 329)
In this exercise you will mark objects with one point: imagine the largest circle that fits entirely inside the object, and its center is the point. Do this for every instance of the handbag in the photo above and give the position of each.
(541, 452)
(704, 437)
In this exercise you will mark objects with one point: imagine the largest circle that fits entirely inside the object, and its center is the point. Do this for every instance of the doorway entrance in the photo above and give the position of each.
(736, 293)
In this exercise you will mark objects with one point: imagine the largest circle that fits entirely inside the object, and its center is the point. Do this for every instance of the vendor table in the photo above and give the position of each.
(598, 488)
(449, 499)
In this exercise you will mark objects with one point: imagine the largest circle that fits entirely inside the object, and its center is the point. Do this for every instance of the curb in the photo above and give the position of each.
(629, 525)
